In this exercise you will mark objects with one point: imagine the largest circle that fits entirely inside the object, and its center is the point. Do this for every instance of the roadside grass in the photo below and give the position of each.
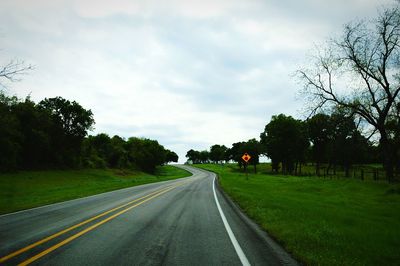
(321, 221)
(28, 189)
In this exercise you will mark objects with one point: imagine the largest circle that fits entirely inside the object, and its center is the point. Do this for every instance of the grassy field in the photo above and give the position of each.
(321, 221)
(29, 189)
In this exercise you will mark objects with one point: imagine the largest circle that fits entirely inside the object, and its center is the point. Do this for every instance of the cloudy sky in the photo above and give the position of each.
(187, 73)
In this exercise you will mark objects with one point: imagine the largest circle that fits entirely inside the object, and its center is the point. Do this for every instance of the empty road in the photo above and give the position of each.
(180, 222)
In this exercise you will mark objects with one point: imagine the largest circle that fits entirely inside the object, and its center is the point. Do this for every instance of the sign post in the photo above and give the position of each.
(246, 158)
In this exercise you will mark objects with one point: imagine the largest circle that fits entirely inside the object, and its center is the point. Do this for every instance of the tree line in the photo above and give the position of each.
(331, 140)
(54, 134)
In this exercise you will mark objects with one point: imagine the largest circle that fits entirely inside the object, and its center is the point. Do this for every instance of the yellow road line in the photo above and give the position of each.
(44, 240)
(69, 239)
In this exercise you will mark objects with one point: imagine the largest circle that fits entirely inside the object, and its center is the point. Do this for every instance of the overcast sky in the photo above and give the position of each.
(187, 73)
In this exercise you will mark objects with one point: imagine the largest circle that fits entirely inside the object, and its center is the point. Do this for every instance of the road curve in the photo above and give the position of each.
(186, 221)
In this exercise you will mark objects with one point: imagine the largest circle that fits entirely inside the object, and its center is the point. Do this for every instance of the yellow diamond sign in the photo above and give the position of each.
(246, 157)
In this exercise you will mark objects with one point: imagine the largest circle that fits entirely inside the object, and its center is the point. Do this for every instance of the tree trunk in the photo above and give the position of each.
(347, 170)
(387, 155)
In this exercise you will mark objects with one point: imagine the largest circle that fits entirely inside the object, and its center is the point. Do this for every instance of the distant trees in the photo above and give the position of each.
(368, 53)
(53, 134)
(217, 153)
(198, 156)
(329, 140)
(101, 151)
(146, 153)
(220, 153)
(193, 156)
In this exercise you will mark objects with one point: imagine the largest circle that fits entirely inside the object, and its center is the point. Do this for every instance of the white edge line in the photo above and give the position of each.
(238, 249)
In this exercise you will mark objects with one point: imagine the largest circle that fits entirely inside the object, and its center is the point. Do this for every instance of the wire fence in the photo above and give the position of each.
(361, 172)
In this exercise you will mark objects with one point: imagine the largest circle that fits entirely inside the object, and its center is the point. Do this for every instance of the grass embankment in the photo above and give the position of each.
(30, 189)
(321, 221)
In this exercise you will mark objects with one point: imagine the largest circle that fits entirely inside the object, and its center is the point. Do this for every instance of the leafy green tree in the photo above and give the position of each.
(204, 156)
(71, 116)
(171, 157)
(193, 156)
(337, 141)
(146, 153)
(33, 126)
(254, 149)
(97, 151)
(71, 123)
(10, 137)
(217, 153)
(236, 152)
(348, 146)
(119, 154)
(320, 134)
(285, 141)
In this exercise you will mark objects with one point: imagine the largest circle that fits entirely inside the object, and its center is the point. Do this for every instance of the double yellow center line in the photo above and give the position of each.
(138, 202)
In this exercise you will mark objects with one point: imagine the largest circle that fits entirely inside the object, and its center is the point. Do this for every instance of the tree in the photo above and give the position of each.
(217, 153)
(97, 151)
(236, 152)
(394, 132)
(346, 142)
(204, 156)
(71, 123)
(285, 142)
(253, 148)
(119, 154)
(71, 116)
(10, 137)
(320, 132)
(146, 153)
(171, 157)
(193, 156)
(33, 125)
(368, 53)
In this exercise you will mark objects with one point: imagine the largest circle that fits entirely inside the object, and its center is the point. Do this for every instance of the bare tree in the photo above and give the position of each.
(13, 70)
(369, 53)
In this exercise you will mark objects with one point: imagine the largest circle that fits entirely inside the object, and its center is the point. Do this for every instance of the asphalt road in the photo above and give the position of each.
(186, 221)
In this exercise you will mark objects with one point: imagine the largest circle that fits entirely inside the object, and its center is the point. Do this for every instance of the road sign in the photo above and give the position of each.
(246, 157)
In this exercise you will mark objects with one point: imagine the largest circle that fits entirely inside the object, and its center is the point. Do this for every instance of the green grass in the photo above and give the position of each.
(28, 189)
(321, 221)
